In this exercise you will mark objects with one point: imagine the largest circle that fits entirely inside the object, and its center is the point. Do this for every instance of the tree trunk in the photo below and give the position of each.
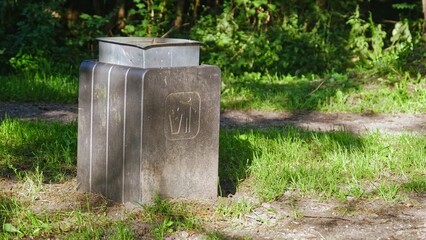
(424, 16)
(321, 3)
(179, 13)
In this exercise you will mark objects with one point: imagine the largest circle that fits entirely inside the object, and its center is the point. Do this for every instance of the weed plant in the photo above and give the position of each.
(167, 218)
(234, 209)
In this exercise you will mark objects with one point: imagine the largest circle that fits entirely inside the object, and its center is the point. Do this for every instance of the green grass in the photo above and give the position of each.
(336, 92)
(8, 207)
(393, 94)
(167, 218)
(21, 221)
(49, 147)
(92, 222)
(234, 209)
(267, 162)
(333, 93)
(331, 165)
(39, 87)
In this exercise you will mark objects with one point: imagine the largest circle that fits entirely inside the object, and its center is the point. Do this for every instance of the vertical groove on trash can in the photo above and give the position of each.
(124, 134)
(141, 137)
(107, 131)
(171, 57)
(91, 128)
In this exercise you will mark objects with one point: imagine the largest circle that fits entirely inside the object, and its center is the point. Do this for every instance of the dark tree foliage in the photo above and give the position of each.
(277, 36)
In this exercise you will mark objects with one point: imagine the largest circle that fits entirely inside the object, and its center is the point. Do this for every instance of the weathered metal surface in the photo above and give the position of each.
(143, 132)
(149, 52)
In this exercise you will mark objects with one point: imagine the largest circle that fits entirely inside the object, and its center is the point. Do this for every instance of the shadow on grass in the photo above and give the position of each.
(235, 157)
(416, 184)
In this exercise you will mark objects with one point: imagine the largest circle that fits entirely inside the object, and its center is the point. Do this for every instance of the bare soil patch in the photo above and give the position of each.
(313, 218)
(39, 111)
(318, 121)
(287, 218)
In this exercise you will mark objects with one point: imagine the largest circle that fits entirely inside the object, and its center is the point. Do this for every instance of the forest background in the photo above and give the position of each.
(296, 37)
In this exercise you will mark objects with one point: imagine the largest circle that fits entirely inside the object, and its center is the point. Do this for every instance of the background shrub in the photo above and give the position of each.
(284, 37)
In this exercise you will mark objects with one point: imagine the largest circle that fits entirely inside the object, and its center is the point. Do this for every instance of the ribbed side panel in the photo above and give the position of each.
(133, 136)
(114, 135)
(109, 130)
(85, 98)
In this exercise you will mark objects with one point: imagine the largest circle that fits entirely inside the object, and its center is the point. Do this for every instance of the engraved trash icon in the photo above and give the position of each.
(182, 115)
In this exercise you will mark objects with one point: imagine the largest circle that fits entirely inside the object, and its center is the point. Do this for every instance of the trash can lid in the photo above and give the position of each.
(148, 42)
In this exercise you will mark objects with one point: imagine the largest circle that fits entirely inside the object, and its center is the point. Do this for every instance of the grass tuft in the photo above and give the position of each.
(167, 218)
(234, 209)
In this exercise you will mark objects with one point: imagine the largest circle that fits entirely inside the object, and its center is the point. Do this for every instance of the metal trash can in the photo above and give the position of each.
(148, 121)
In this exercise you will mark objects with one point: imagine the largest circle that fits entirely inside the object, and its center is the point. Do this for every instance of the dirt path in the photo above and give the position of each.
(356, 123)
(42, 111)
(310, 218)
(286, 218)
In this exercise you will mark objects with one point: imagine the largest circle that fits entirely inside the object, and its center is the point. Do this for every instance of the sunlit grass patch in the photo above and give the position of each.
(332, 164)
(333, 93)
(87, 220)
(22, 221)
(379, 95)
(49, 147)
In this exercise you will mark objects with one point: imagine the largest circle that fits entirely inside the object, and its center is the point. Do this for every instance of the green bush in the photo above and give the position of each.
(257, 36)
(32, 33)
(149, 19)
(285, 37)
